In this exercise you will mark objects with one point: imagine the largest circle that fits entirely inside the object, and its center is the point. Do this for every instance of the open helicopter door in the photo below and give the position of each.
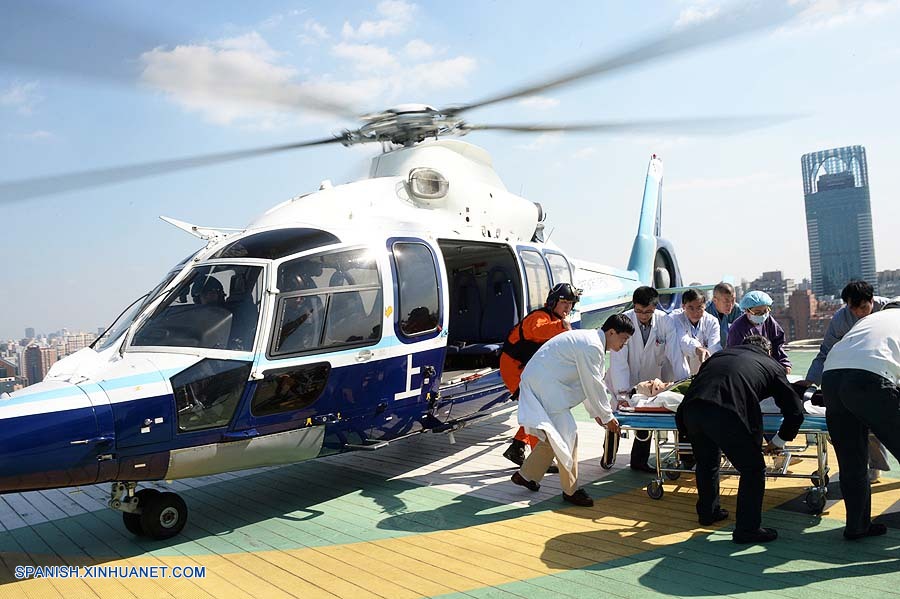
(484, 289)
(417, 319)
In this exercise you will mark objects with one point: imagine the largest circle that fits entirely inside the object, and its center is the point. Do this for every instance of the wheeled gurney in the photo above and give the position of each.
(669, 454)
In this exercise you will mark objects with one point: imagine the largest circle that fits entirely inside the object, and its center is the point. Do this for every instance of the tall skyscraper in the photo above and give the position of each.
(838, 218)
(29, 333)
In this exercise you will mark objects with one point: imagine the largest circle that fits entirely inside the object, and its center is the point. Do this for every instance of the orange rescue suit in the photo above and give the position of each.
(539, 327)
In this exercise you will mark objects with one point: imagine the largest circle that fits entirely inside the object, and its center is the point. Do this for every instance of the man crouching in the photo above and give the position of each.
(567, 370)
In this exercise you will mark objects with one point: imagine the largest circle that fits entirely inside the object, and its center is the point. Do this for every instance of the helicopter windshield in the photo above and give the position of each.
(214, 307)
(121, 324)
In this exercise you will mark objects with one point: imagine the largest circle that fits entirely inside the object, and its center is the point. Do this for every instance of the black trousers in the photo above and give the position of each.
(640, 450)
(856, 402)
(713, 430)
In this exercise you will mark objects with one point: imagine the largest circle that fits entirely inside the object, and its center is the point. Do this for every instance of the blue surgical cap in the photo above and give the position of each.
(754, 298)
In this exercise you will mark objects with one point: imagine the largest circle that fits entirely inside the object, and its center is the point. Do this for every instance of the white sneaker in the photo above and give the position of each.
(874, 475)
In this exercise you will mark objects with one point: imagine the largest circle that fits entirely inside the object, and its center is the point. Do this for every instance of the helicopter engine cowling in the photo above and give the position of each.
(475, 198)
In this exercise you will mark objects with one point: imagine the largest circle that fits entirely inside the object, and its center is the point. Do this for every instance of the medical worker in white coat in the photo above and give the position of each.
(566, 371)
(696, 335)
(642, 359)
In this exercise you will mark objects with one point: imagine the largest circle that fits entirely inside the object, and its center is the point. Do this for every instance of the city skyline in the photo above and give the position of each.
(79, 258)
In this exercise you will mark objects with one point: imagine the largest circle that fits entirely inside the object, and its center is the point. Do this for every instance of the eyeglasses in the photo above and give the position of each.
(646, 312)
(758, 310)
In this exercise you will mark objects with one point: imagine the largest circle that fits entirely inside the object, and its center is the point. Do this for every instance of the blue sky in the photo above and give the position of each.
(733, 204)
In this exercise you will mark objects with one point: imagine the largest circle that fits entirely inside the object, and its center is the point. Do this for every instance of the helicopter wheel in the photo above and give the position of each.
(164, 516)
(133, 520)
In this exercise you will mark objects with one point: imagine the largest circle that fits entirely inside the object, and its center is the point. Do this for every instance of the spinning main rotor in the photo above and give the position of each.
(404, 125)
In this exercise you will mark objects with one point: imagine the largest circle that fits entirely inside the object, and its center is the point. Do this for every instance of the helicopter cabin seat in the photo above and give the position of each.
(465, 317)
(500, 314)
(245, 314)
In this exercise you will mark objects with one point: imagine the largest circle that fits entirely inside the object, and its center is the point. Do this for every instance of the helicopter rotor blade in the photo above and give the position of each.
(106, 50)
(697, 126)
(726, 25)
(25, 189)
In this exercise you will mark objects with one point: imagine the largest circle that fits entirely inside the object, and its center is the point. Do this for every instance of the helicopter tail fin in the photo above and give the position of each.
(652, 257)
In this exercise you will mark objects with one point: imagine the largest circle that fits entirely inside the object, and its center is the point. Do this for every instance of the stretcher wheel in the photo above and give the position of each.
(673, 475)
(815, 480)
(655, 489)
(815, 500)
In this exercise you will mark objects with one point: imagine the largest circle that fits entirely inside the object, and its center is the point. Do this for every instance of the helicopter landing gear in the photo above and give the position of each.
(149, 512)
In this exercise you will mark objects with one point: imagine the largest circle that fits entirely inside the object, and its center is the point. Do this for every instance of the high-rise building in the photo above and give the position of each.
(779, 288)
(38, 361)
(838, 218)
(29, 333)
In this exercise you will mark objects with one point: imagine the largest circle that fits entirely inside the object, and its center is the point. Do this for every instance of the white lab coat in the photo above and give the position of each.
(682, 354)
(637, 361)
(566, 371)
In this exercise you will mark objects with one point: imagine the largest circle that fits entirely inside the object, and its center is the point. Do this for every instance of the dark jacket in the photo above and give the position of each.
(737, 379)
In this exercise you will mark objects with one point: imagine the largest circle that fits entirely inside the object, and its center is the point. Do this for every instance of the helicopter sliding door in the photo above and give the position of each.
(417, 316)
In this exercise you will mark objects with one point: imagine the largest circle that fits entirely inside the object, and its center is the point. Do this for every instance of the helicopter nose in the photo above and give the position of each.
(48, 438)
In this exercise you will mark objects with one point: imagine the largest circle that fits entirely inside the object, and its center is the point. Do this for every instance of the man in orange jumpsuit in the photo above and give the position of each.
(523, 341)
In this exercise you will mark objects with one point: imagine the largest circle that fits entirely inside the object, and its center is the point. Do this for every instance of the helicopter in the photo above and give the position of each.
(344, 319)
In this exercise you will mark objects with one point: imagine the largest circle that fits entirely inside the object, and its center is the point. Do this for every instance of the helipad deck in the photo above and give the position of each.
(424, 518)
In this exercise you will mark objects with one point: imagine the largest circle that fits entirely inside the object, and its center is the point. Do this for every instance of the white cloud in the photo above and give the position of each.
(38, 135)
(22, 97)
(441, 74)
(243, 80)
(316, 30)
(828, 14)
(365, 57)
(588, 152)
(696, 13)
(396, 17)
(227, 80)
(418, 50)
(278, 18)
(542, 141)
(539, 102)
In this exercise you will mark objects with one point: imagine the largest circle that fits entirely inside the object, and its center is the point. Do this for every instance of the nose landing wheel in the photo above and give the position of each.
(148, 512)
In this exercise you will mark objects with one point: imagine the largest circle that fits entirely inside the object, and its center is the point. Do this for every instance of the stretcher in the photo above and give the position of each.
(670, 453)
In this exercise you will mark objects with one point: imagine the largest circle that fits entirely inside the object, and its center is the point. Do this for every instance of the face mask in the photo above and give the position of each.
(757, 319)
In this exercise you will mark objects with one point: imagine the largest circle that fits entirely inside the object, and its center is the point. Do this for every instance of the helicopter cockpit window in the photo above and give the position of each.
(214, 307)
(559, 268)
(326, 301)
(536, 277)
(121, 324)
(272, 245)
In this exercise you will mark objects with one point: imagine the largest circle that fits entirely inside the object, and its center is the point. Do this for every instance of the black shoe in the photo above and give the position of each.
(875, 530)
(515, 453)
(552, 469)
(716, 516)
(763, 535)
(643, 468)
(579, 498)
(524, 482)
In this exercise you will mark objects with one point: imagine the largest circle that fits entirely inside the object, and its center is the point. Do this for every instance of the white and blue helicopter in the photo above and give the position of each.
(343, 319)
